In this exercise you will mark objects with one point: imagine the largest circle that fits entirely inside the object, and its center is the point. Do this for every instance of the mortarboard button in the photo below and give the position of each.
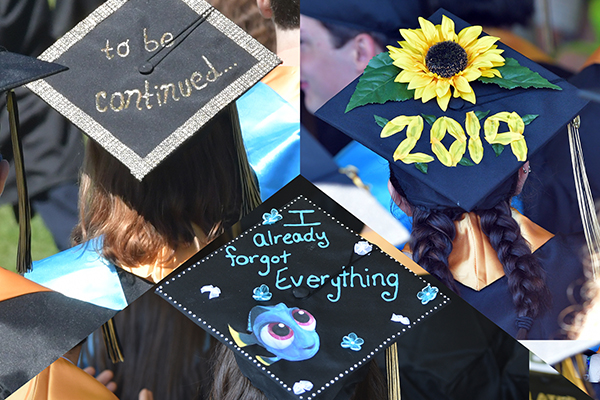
(301, 292)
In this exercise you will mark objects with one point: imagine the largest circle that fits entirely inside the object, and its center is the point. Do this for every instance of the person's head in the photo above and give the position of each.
(142, 222)
(245, 14)
(338, 39)
(285, 13)
(434, 232)
(332, 56)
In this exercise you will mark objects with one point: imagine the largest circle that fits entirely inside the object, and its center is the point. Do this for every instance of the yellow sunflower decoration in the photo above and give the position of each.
(435, 58)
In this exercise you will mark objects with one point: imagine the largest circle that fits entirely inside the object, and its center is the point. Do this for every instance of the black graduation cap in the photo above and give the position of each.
(383, 16)
(542, 101)
(17, 70)
(147, 75)
(301, 299)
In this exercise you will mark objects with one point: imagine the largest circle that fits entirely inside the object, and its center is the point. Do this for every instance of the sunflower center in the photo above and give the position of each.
(446, 59)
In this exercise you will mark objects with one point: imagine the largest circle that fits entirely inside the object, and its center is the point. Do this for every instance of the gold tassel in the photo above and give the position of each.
(250, 191)
(589, 218)
(24, 248)
(568, 370)
(111, 341)
(393, 372)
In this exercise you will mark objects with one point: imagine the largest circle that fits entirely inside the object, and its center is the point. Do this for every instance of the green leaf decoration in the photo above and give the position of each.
(527, 119)
(376, 85)
(498, 148)
(466, 162)
(381, 121)
(430, 119)
(514, 76)
(481, 114)
(423, 167)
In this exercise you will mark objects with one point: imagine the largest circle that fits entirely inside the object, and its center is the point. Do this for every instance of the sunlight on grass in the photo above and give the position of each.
(42, 244)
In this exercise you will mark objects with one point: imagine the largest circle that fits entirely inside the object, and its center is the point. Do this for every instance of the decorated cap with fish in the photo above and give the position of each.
(454, 111)
(302, 300)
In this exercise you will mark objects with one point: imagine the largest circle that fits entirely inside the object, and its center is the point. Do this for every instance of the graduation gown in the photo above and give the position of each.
(63, 381)
(38, 325)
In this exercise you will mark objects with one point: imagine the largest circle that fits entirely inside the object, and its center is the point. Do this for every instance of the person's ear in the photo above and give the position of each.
(400, 201)
(264, 6)
(523, 173)
(365, 48)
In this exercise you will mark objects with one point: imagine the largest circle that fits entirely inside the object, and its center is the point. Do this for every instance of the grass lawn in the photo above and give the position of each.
(42, 244)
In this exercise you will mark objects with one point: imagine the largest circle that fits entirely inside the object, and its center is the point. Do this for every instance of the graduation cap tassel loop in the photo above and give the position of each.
(587, 209)
(24, 248)
(393, 372)
(111, 341)
(249, 185)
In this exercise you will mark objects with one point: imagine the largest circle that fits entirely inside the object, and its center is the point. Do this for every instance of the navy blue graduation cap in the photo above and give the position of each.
(147, 75)
(439, 149)
(302, 300)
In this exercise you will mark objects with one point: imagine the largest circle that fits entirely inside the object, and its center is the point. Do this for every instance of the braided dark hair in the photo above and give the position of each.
(431, 244)
(526, 277)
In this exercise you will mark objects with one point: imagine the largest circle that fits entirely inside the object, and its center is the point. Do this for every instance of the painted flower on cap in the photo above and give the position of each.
(434, 58)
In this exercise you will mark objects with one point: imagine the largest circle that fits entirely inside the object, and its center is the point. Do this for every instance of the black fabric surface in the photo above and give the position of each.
(563, 270)
(133, 286)
(549, 197)
(460, 354)
(38, 328)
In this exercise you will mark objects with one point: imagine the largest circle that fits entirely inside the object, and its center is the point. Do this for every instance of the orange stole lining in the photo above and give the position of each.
(14, 285)
(63, 381)
(285, 80)
(473, 262)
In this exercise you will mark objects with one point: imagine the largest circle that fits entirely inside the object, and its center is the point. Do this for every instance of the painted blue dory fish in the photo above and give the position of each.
(288, 333)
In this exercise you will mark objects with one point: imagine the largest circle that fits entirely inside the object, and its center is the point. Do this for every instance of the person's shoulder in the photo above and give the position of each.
(81, 272)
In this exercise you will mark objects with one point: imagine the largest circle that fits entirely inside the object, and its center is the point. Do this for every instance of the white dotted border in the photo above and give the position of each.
(254, 360)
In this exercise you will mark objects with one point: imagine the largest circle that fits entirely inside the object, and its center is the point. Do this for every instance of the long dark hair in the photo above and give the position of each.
(230, 384)
(164, 352)
(431, 244)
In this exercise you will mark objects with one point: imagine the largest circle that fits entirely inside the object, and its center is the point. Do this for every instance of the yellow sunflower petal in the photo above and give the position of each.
(442, 154)
(469, 34)
(429, 92)
(394, 126)
(473, 127)
(469, 96)
(429, 31)
(417, 158)
(462, 84)
(419, 81)
(447, 29)
(404, 148)
(442, 87)
(444, 100)
(519, 149)
(414, 38)
(471, 74)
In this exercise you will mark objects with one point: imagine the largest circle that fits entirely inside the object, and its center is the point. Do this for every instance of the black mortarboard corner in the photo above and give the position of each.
(382, 16)
(17, 70)
(545, 103)
(147, 75)
(302, 300)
